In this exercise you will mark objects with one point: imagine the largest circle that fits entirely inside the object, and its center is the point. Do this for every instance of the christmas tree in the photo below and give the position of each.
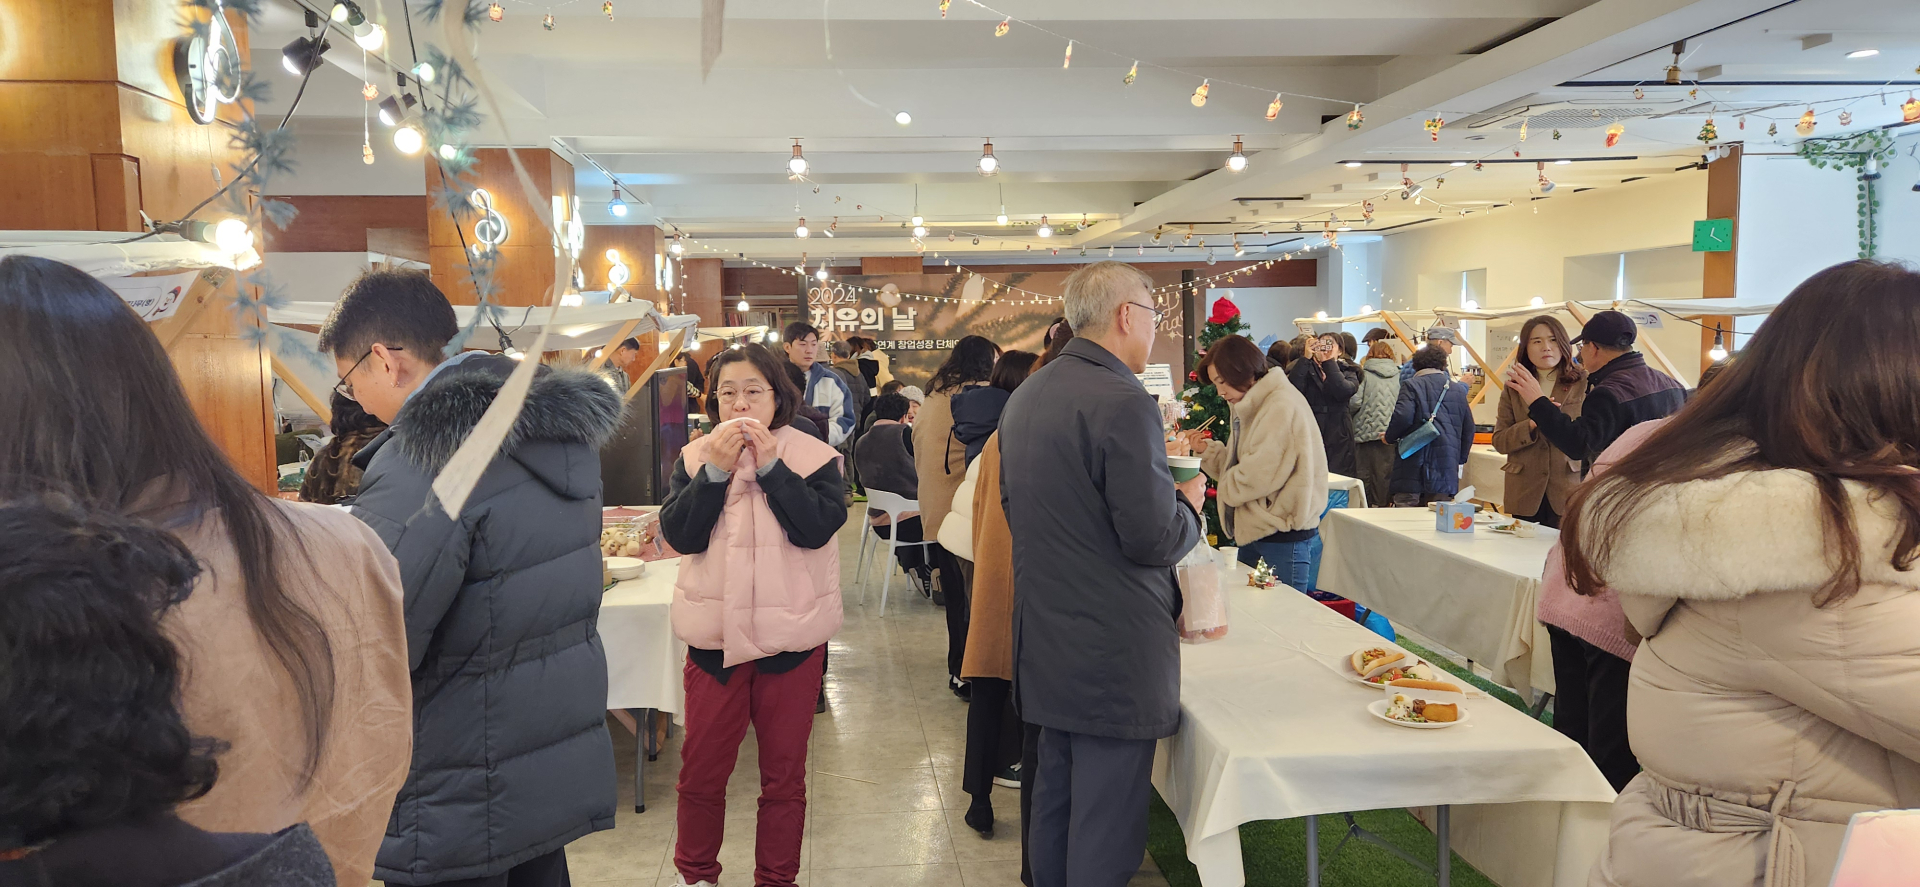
(1204, 402)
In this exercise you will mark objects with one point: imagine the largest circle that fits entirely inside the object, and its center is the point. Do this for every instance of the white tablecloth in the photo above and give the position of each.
(1487, 474)
(1356, 491)
(1271, 729)
(1475, 592)
(643, 657)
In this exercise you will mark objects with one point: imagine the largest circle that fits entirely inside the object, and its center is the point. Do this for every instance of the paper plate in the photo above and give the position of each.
(1379, 709)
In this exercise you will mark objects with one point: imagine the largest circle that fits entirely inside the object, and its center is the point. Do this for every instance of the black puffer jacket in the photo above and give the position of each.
(1329, 387)
(511, 757)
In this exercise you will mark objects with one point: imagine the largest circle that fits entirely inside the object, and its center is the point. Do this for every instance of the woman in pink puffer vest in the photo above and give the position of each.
(755, 506)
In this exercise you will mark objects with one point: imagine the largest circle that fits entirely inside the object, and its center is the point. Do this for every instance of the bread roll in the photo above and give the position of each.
(1417, 684)
(1374, 660)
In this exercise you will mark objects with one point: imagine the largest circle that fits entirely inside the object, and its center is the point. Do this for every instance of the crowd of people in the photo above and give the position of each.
(204, 684)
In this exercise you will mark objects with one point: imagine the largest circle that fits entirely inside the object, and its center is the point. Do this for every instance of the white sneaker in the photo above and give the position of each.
(680, 880)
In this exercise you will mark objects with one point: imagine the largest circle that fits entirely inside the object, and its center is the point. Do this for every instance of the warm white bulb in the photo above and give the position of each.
(1856, 54)
(1717, 353)
(372, 38)
(798, 166)
(447, 152)
(820, 274)
(517, 355)
(340, 12)
(1045, 231)
(232, 236)
(1353, 164)
(1561, 162)
(919, 230)
(1366, 309)
(572, 300)
(1001, 218)
(903, 118)
(1237, 162)
(676, 248)
(424, 72)
(918, 221)
(408, 140)
(773, 336)
(801, 231)
(989, 163)
(742, 306)
(613, 255)
(1471, 305)
(1319, 315)
(286, 61)
(1537, 302)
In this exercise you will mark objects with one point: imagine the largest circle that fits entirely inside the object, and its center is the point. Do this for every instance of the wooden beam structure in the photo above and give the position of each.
(672, 351)
(318, 404)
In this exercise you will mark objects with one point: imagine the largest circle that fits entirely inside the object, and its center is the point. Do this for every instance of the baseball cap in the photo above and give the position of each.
(1440, 334)
(1609, 329)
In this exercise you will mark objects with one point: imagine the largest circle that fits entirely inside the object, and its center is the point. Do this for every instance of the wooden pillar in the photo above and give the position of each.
(527, 269)
(700, 280)
(1717, 271)
(93, 130)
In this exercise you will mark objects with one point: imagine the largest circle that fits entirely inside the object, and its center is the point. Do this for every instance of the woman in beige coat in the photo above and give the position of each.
(941, 462)
(1540, 478)
(1272, 471)
(293, 641)
(1763, 543)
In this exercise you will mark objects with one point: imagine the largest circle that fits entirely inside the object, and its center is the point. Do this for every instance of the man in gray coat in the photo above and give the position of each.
(1097, 525)
(511, 757)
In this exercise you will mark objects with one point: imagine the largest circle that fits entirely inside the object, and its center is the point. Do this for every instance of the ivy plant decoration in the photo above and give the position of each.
(1853, 153)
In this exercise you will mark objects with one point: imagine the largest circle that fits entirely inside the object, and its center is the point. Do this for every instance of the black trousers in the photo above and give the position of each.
(1090, 796)
(1546, 516)
(1029, 762)
(1590, 706)
(994, 735)
(910, 558)
(956, 576)
(541, 871)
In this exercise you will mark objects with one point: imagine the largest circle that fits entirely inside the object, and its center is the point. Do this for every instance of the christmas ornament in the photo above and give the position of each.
(1355, 118)
(1846, 118)
(366, 153)
(1613, 134)
(1692, 94)
(496, 12)
(1200, 94)
(1741, 121)
(943, 7)
(1433, 125)
(1273, 108)
(369, 92)
(1773, 129)
(1262, 575)
(1707, 132)
(1523, 129)
(1806, 124)
(1366, 209)
(547, 21)
(607, 7)
(1224, 311)
(1477, 166)
(1516, 152)
(1556, 135)
(1068, 63)
(1910, 110)
(1639, 93)
(1131, 73)
(1000, 30)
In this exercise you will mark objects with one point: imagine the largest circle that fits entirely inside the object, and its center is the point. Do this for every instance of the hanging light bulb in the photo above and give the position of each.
(820, 274)
(424, 72)
(989, 164)
(1046, 230)
(1366, 309)
(742, 307)
(617, 207)
(408, 139)
(340, 12)
(370, 36)
(919, 230)
(1002, 217)
(675, 246)
(1719, 350)
(448, 152)
(800, 230)
(918, 220)
(903, 118)
(797, 164)
(1537, 302)
(1237, 161)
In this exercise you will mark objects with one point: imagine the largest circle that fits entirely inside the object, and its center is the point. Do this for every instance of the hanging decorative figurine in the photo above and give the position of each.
(496, 12)
(1432, 126)
(1273, 107)
(1639, 93)
(943, 7)
(1846, 118)
(547, 21)
(1477, 166)
(366, 153)
(1707, 133)
(1131, 73)
(1773, 129)
(1910, 110)
(1741, 121)
(1200, 94)
(1006, 24)
(607, 7)
(369, 92)
(1806, 124)
(1068, 63)
(1613, 134)
(1366, 209)
(1556, 135)
(1693, 94)
(1523, 129)
(1355, 118)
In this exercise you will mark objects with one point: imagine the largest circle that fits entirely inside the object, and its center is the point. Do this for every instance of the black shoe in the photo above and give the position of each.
(960, 688)
(1010, 777)
(820, 707)
(980, 818)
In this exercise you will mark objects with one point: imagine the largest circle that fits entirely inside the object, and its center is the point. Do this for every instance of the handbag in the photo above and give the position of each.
(1428, 432)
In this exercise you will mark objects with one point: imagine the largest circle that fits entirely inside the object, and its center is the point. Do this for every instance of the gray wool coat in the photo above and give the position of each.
(1097, 527)
(511, 757)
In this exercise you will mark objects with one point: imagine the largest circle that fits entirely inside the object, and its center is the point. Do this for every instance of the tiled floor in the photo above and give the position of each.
(884, 799)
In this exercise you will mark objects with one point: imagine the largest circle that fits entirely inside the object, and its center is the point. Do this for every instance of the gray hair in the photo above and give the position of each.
(1096, 291)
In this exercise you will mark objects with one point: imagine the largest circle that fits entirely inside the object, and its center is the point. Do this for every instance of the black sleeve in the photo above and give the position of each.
(812, 509)
(1600, 424)
(693, 507)
(1459, 392)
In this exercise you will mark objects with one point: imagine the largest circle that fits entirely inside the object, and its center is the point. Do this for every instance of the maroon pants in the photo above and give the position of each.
(780, 708)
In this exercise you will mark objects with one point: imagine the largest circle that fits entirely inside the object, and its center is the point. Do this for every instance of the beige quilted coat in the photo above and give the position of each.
(1763, 722)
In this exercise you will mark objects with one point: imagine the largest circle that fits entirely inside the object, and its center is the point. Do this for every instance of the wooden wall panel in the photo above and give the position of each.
(890, 265)
(40, 192)
(230, 385)
(57, 40)
(640, 247)
(59, 118)
(338, 223)
(523, 274)
(1723, 202)
(116, 192)
(527, 267)
(404, 243)
(700, 280)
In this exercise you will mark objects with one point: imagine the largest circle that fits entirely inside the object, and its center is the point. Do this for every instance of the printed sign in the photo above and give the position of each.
(154, 298)
(1645, 319)
(1159, 380)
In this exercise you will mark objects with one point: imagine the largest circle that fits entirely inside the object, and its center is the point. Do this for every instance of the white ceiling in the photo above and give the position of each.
(710, 156)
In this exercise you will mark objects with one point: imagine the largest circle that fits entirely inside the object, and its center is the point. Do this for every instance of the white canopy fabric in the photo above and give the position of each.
(1688, 308)
(588, 326)
(95, 252)
(755, 333)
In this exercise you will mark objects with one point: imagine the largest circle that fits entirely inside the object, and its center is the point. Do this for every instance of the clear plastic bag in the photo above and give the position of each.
(1204, 574)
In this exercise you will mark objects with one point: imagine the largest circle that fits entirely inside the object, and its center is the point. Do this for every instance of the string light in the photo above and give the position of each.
(1237, 161)
(800, 230)
(1046, 230)
(1719, 350)
(989, 164)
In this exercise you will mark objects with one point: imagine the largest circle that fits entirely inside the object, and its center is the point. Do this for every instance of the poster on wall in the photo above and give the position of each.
(917, 318)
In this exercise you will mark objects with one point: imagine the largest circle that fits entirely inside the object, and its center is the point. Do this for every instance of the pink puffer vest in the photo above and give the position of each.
(753, 593)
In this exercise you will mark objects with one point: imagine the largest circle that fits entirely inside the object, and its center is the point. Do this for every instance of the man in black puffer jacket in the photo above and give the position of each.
(1622, 391)
(511, 757)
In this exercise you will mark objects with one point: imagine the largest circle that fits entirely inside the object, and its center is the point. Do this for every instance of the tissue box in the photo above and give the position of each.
(1453, 517)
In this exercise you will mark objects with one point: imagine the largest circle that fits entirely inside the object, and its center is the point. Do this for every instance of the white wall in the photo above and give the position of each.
(1271, 310)
(314, 277)
(328, 160)
(1795, 219)
(1899, 203)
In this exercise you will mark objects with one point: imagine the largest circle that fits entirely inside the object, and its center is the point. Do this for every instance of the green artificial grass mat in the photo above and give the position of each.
(1274, 853)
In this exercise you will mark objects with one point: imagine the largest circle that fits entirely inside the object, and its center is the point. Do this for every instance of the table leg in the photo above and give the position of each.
(1442, 820)
(1313, 851)
(640, 738)
(1540, 705)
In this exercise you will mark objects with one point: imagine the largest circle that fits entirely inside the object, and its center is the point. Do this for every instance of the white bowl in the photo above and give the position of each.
(624, 568)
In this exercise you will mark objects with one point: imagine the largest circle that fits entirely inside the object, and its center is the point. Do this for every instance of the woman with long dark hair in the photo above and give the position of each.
(331, 476)
(1540, 478)
(1763, 544)
(293, 637)
(1059, 333)
(942, 465)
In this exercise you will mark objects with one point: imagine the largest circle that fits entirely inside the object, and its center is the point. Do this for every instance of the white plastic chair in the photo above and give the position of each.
(894, 505)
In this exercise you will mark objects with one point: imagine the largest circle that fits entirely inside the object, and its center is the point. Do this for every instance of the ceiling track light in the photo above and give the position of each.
(797, 164)
(989, 164)
(1673, 70)
(1237, 161)
(302, 56)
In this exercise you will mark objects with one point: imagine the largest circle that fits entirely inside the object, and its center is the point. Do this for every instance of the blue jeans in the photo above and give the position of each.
(1292, 562)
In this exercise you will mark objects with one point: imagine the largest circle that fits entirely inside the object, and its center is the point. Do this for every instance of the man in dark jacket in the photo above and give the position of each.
(1622, 391)
(511, 757)
(1097, 526)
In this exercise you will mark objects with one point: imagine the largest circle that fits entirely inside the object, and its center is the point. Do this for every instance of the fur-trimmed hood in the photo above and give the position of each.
(1749, 533)
(563, 406)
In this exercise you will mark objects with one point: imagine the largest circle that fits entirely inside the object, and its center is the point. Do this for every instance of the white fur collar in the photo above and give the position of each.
(1753, 532)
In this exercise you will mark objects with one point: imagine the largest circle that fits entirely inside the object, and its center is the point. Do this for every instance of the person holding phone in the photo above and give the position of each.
(1329, 383)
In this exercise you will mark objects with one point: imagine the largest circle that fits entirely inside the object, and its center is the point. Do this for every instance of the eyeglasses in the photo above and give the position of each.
(343, 387)
(1158, 315)
(752, 394)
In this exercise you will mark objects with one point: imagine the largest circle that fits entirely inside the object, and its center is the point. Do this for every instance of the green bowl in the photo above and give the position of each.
(1185, 468)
